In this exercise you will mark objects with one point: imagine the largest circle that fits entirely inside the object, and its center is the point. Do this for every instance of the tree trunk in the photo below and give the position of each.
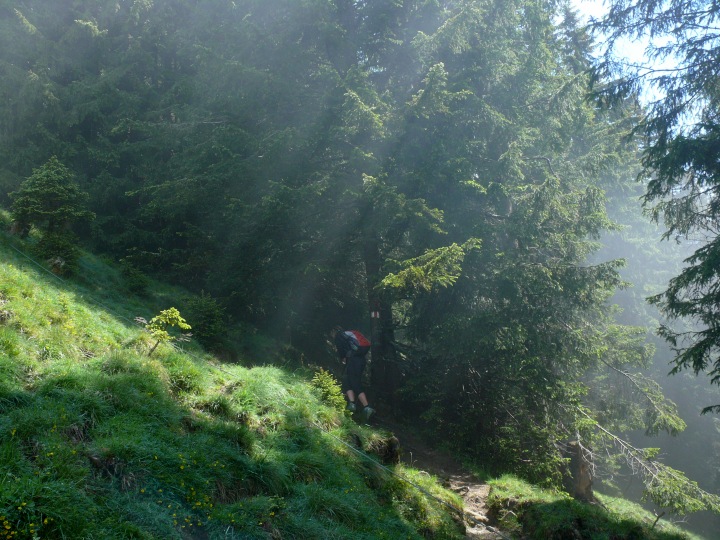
(578, 478)
(385, 375)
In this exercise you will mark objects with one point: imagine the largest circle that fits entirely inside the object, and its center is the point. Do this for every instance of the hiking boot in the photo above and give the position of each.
(368, 412)
(351, 406)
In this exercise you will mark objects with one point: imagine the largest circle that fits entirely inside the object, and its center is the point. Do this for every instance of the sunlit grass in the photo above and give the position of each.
(99, 439)
(539, 514)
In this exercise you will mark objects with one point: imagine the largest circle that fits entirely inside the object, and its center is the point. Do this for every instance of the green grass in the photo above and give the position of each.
(98, 440)
(535, 513)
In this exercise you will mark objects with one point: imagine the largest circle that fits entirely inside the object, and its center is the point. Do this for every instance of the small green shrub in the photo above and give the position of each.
(330, 390)
(50, 199)
(159, 327)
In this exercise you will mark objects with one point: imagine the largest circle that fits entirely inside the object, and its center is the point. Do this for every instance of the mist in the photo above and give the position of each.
(443, 164)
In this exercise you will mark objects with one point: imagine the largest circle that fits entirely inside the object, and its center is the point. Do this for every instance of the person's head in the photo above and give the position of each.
(337, 328)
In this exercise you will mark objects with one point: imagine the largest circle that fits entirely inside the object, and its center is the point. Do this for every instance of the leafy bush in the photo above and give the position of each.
(159, 325)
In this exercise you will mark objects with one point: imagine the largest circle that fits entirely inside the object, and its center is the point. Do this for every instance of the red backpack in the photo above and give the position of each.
(358, 343)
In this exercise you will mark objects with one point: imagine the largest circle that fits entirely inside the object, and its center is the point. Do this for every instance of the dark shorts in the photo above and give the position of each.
(353, 374)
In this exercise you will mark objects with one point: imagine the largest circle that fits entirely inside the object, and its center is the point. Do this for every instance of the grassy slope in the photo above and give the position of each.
(99, 440)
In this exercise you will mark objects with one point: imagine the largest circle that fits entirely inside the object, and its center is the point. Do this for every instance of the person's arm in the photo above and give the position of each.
(342, 345)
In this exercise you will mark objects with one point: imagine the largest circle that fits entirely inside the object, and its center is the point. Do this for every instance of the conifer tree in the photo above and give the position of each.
(50, 200)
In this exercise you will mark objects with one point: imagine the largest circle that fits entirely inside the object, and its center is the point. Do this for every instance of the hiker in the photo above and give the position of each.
(352, 347)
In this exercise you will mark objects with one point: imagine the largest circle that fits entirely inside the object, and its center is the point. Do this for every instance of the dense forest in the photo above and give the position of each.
(465, 169)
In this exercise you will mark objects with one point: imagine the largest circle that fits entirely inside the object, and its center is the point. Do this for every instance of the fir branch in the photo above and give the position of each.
(665, 486)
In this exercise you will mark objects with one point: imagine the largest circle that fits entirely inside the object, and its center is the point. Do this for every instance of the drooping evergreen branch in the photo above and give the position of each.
(665, 486)
(667, 417)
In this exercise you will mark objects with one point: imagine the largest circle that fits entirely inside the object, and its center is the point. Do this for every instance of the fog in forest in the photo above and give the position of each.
(695, 450)
(452, 167)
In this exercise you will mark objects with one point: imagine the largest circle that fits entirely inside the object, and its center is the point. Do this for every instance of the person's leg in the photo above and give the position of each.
(348, 387)
(354, 373)
(367, 409)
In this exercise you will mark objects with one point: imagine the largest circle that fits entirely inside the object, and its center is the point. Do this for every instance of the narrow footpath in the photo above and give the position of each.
(420, 455)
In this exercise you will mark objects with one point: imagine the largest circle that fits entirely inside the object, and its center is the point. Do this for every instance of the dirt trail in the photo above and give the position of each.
(420, 455)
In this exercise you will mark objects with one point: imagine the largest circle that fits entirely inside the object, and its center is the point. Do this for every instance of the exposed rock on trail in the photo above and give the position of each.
(417, 453)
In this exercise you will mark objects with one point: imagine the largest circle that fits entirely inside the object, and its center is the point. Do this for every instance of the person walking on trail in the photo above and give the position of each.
(352, 347)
